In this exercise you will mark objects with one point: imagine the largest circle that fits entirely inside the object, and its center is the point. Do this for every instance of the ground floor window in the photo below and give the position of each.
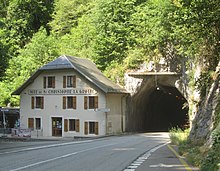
(71, 125)
(37, 123)
(31, 123)
(91, 128)
(34, 123)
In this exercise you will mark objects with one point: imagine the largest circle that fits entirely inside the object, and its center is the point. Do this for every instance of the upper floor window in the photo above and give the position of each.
(90, 102)
(49, 82)
(69, 102)
(37, 102)
(69, 81)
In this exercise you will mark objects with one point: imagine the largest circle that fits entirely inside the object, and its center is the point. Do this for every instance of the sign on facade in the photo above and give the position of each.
(61, 92)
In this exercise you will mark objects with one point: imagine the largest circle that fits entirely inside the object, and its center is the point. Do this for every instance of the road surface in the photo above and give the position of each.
(113, 153)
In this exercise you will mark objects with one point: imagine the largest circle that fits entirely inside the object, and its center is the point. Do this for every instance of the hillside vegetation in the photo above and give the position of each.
(117, 35)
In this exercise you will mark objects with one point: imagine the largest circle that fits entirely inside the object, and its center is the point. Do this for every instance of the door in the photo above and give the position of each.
(57, 127)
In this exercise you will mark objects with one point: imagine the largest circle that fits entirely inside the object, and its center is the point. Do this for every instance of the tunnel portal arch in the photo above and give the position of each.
(156, 104)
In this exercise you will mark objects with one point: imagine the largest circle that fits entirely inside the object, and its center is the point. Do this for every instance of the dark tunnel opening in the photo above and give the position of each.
(165, 109)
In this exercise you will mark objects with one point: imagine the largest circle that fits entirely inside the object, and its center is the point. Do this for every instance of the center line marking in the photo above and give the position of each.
(60, 157)
(45, 146)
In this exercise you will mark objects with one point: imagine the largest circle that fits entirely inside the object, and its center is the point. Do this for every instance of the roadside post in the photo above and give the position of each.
(3, 117)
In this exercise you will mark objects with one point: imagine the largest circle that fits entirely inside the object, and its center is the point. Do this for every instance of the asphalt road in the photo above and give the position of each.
(114, 153)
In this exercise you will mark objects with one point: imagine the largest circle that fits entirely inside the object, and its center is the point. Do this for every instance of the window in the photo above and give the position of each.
(91, 128)
(37, 102)
(37, 123)
(69, 81)
(34, 122)
(49, 82)
(69, 102)
(30, 123)
(72, 126)
(90, 102)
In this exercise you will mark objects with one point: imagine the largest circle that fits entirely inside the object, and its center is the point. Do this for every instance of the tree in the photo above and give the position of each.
(113, 25)
(24, 18)
(66, 15)
(80, 41)
(41, 50)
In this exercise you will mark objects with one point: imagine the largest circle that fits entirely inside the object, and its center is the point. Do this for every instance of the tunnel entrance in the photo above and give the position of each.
(157, 106)
(166, 109)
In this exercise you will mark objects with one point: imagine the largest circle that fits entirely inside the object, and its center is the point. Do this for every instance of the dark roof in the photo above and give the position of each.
(84, 67)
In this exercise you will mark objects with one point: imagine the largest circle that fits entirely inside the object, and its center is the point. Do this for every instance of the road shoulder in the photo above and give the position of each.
(165, 158)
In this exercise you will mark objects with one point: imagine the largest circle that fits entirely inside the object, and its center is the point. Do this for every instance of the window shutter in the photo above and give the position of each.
(53, 82)
(30, 123)
(96, 101)
(64, 102)
(85, 102)
(77, 125)
(45, 82)
(74, 81)
(74, 102)
(32, 102)
(64, 81)
(96, 128)
(65, 125)
(86, 128)
(42, 102)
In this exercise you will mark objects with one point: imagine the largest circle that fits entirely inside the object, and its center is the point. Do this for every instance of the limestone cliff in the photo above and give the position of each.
(206, 119)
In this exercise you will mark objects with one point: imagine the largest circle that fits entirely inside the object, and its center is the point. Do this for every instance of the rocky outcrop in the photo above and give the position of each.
(202, 125)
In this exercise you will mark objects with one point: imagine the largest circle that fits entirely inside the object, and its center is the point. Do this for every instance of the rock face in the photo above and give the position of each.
(202, 125)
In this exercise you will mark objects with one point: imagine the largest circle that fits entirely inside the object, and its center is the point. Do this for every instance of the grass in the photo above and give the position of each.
(178, 136)
(187, 149)
(199, 155)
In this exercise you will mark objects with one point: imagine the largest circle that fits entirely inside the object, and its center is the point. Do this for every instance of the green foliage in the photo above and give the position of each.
(115, 72)
(211, 162)
(3, 56)
(178, 136)
(38, 52)
(24, 18)
(79, 42)
(3, 8)
(196, 25)
(66, 15)
(203, 83)
(114, 27)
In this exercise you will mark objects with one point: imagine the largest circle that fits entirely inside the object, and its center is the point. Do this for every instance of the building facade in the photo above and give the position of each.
(70, 97)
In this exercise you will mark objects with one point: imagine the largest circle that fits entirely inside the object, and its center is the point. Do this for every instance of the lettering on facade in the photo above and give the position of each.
(61, 91)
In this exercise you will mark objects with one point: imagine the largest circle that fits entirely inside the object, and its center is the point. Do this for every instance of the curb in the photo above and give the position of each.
(184, 163)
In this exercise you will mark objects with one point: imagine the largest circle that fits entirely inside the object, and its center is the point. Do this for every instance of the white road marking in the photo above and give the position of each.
(143, 158)
(164, 165)
(60, 157)
(46, 146)
(132, 167)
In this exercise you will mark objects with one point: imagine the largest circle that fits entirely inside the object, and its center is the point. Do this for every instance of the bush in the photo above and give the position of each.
(212, 160)
(178, 136)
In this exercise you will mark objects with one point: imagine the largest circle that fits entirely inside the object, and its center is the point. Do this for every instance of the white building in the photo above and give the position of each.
(70, 97)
